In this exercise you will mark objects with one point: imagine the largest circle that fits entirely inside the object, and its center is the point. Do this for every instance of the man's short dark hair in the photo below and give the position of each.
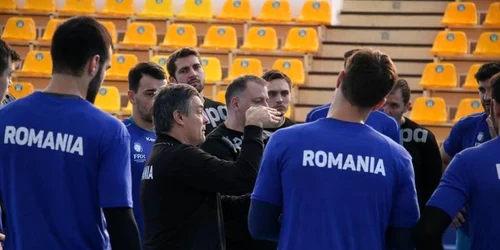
(402, 84)
(180, 53)
(238, 85)
(349, 53)
(6, 52)
(487, 70)
(76, 41)
(150, 69)
(168, 99)
(369, 76)
(274, 74)
(495, 83)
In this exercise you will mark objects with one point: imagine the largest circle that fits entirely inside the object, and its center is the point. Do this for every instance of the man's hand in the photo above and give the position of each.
(459, 219)
(262, 116)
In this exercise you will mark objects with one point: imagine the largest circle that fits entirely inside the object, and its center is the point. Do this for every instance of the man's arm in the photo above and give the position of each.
(219, 148)
(445, 158)
(450, 196)
(452, 145)
(206, 172)
(431, 166)
(263, 220)
(115, 189)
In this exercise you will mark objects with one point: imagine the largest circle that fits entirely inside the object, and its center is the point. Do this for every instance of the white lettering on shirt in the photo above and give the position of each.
(498, 170)
(23, 136)
(416, 135)
(358, 163)
(147, 174)
(215, 115)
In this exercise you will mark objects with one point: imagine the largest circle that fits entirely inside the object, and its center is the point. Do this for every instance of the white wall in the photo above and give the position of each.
(296, 5)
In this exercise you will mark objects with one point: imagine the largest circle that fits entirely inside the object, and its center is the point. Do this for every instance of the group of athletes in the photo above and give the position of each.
(187, 172)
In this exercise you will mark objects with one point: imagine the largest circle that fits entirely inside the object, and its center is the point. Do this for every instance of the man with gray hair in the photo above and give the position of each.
(181, 183)
(8, 58)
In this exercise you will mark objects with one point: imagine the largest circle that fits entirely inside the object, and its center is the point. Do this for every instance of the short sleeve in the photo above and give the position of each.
(268, 187)
(115, 181)
(453, 190)
(453, 144)
(405, 211)
(394, 132)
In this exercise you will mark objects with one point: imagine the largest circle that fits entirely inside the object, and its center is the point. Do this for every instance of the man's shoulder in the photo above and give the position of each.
(318, 112)
(211, 103)
(472, 120)
(383, 117)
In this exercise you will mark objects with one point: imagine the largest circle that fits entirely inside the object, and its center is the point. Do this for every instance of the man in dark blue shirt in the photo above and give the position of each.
(64, 164)
(143, 80)
(345, 185)
(377, 119)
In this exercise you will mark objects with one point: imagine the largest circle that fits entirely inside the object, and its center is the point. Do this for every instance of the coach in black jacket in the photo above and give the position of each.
(181, 183)
(225, 142)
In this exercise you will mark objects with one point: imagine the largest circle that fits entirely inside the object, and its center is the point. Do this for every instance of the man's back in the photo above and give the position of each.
(58, 167)
(344, 180)
(378, 120)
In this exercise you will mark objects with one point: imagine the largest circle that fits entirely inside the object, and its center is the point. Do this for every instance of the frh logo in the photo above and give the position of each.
(139, 158)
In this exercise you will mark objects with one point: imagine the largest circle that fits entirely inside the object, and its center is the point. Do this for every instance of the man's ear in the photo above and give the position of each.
(93, 65)
(340, 78)
(407, 107)
(235, 103)
(179, 118)
(172, 79)
(131, 96)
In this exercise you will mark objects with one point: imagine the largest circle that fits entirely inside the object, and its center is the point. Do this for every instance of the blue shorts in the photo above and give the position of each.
(463, 240)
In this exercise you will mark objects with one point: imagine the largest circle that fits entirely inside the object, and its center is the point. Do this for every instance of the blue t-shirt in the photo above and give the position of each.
(472, 179)
(341, 187)
(61, 161)
(378, 120)
(141, 143)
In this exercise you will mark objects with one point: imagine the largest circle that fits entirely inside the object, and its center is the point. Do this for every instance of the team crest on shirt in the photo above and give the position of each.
(138, 147)
(480, 136)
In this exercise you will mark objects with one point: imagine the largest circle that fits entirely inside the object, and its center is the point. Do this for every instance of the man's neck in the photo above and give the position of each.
(402, 120)
(233, 124)
(141, 123)
(66, 85)
(341, 109)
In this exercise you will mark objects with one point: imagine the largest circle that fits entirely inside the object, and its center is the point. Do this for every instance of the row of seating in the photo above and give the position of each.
(39, 63)
(443, 75)
(433, 110)
(143, 34)
(313, 11)
(465, 14)
(454, 43)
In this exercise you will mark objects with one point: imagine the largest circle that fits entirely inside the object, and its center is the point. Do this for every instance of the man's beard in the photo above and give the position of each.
(94, 86)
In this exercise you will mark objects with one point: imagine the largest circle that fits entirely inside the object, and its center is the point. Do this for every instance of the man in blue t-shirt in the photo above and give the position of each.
(64, 165)
(143, 81)
(344, 186)
(471, 180)
(469, 132)
(378, 120)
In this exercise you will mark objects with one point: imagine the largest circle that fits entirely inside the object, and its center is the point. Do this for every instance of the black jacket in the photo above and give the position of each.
(180, 192)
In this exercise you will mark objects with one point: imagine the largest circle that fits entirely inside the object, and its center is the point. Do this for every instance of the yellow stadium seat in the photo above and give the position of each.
(220, 37)
(118, 8)
(493, 15)
(180, 35)
(239, 10)
(314, 11)
(470, 80)
(429, 110)
(468, 106)
(212, 68)
(260, 39)
(38, 6)
(488, 44)
(460, 13)
(275, 11)
(160, 60)
(120, 66)
(108, 99)
(301, 40)
(221, 97)
(244, 66)
(49, 30)
(157, 9)
(78, 7)
(293, 68)
(110, 26)
(450, 43)
(439, 75)
(197, 9)
(8, 5)
(127, 110)
(37, 63)
(19, 29)
(140, 34)
(21, 89)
